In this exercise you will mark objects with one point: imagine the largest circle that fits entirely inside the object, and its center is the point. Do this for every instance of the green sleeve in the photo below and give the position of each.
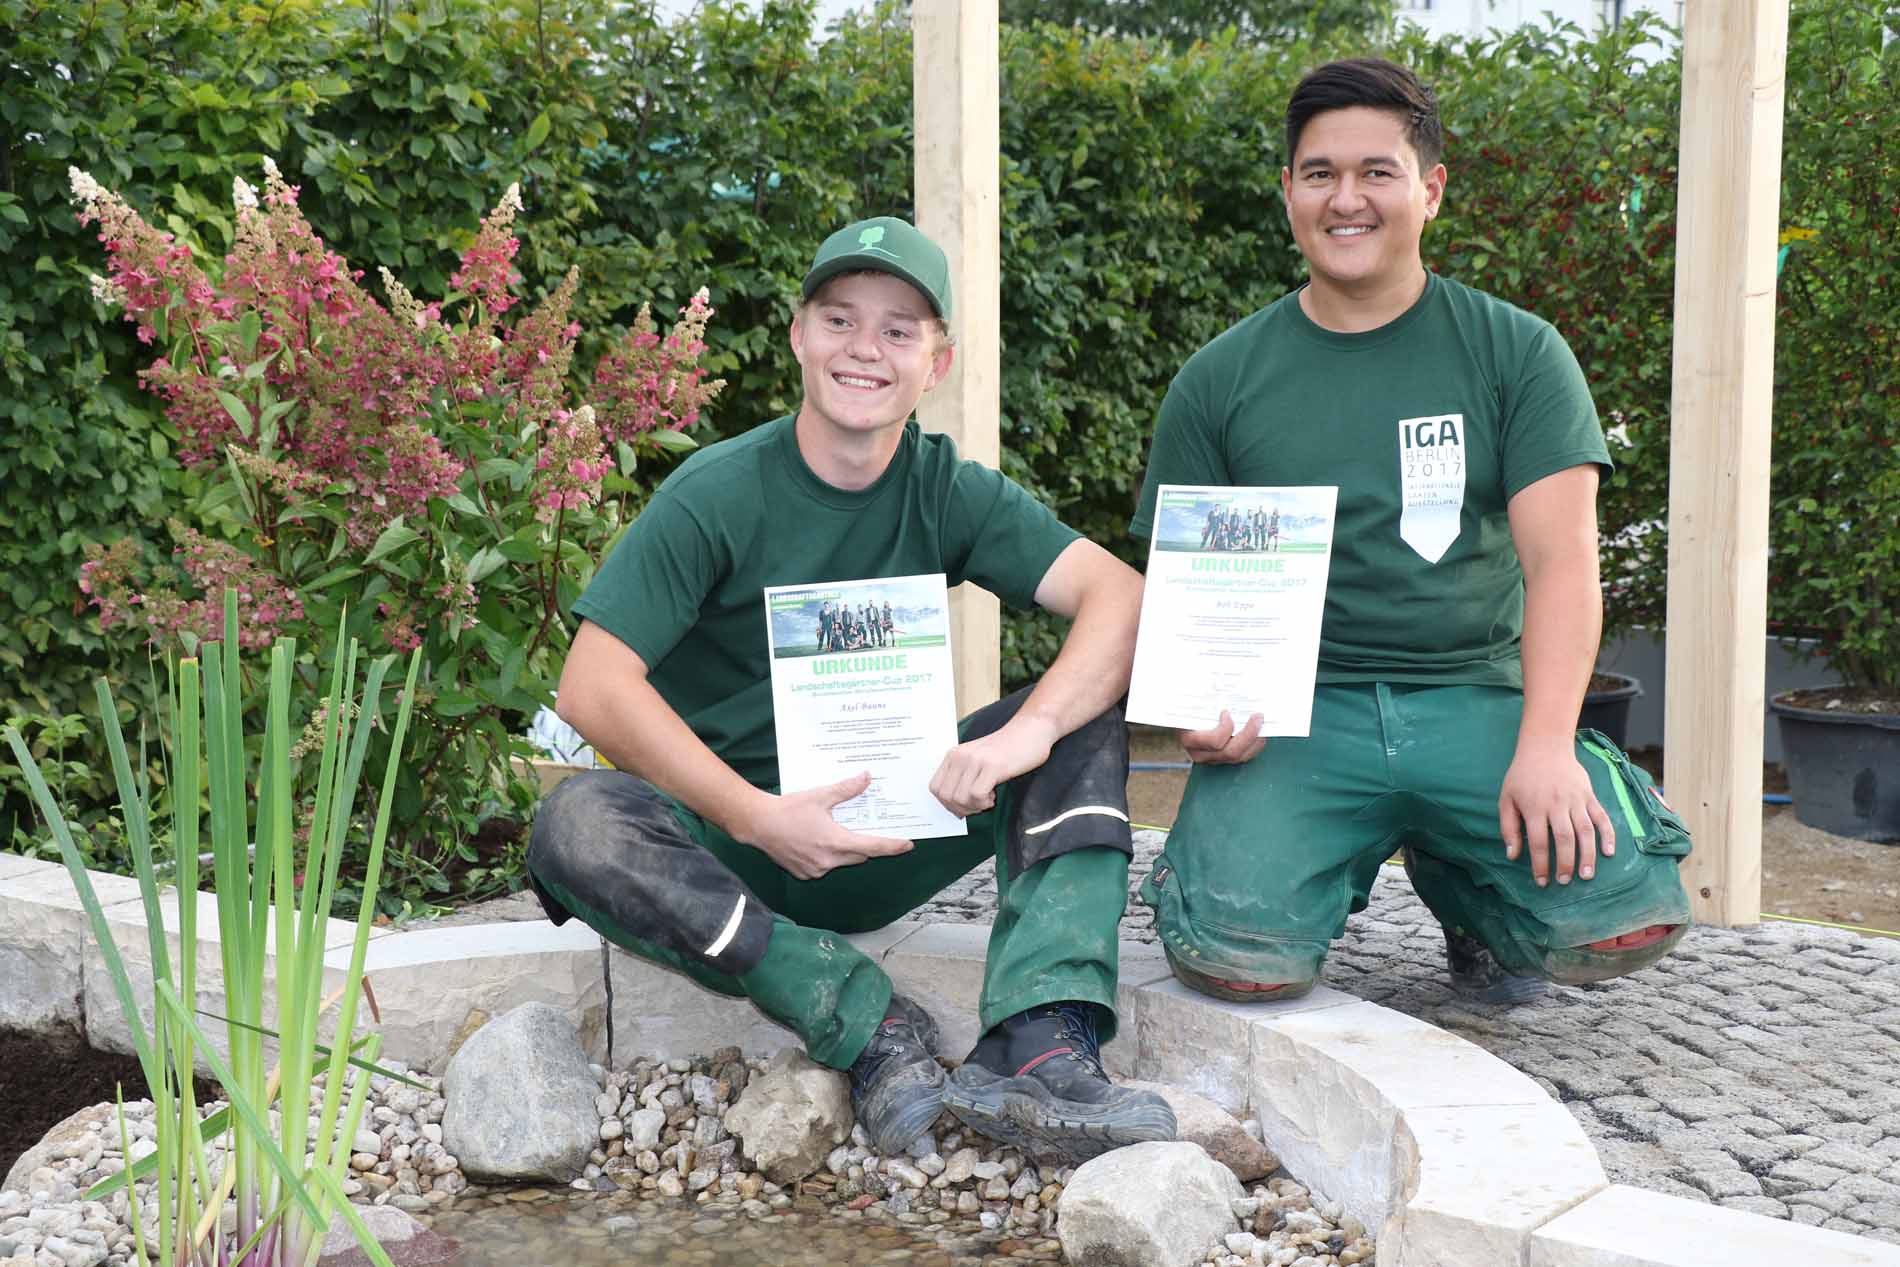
(999, 536)
(1188, 445)
(649, 590)
(1550, 422)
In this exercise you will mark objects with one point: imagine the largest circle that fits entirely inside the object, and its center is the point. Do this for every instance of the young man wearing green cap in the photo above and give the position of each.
(687, 853)
(1462, 607)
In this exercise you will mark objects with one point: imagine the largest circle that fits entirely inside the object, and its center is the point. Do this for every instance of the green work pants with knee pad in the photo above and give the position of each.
(1266, 859)
(1054, 937)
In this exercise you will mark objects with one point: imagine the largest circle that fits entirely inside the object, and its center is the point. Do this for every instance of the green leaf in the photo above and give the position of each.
(392, 538)
(483, 563)
(673, 441)
(240, 413)
(537, 132)
(331, 577)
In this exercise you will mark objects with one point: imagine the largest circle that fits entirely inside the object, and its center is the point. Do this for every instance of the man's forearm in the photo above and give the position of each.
(642, 735)
(1563, 623)
(1091, 670)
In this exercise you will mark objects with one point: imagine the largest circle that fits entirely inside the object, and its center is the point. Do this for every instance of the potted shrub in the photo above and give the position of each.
(1606, 706)
(1834, 526)
(1841, 744)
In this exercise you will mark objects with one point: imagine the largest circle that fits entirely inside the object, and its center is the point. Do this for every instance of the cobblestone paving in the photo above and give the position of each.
(1754, 1068)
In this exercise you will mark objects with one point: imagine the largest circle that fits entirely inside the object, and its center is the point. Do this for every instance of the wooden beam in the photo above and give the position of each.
(1734, 58)
(958, 162)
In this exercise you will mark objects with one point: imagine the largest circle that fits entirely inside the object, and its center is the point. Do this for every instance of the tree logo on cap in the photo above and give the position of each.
(871, 236)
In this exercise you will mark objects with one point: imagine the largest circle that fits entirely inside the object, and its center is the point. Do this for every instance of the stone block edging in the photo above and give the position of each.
(1456, 1158)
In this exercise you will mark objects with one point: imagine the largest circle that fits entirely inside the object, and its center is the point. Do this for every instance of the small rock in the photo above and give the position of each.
(1147, 1203)
(792, 1116)
(961, 1165)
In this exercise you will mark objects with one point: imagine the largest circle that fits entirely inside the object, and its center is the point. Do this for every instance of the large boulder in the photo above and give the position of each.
(1159, 1204)
(792, 1115)
(521, 1099)
(1199, 1120)
(407, 1242)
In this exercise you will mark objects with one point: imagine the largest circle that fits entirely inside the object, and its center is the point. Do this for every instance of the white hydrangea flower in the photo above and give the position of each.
(85, 188)
(107, 291)
(243, 197)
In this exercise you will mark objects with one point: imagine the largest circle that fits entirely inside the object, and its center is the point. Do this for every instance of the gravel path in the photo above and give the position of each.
(1754, 1068)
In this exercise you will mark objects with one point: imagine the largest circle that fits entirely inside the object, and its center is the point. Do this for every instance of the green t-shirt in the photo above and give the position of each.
(683, 586)
(1451, 408)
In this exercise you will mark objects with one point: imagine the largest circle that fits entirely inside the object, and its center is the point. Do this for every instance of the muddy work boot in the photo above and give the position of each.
(1477, 975)
(896, 1083)
(1035, 1082)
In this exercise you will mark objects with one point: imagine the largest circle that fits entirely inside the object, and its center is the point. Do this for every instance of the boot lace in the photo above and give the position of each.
(1078, 1028)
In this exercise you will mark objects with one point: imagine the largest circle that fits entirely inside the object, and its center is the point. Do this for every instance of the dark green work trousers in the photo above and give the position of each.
(656, 879)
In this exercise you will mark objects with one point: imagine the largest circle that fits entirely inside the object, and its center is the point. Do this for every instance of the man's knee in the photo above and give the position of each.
(1611, 957)
(1224, 983)
(592, 811)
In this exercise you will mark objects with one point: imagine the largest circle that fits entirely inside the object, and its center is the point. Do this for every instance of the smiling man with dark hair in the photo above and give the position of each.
(1462, 608)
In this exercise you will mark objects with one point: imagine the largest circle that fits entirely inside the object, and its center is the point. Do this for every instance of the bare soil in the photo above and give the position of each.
(1806, 874)
(46, 1079)
(1843, 699)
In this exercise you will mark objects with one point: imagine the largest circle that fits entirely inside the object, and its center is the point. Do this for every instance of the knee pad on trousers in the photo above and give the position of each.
(1580, 965)
(608, 848)
(1221, 984)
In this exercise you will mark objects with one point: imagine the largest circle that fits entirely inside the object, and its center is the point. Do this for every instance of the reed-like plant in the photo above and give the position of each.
(287, 1180)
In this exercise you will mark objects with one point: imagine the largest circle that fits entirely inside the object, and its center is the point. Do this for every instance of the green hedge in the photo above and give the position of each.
(1140, 216)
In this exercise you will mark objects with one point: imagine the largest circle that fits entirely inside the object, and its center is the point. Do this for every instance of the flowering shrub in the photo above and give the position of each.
(422, 464)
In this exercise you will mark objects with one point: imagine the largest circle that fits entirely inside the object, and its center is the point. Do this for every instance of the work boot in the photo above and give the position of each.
(896, 1083)
(1036, 1082)
(1477, 975)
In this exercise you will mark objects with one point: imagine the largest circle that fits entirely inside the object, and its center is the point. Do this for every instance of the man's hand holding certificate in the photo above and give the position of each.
(862, 680)
(1231, 616)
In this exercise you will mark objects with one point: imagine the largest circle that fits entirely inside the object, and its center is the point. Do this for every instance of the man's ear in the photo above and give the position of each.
(798, 331)
(1434, 191)
(1286, 193)
(940, 364)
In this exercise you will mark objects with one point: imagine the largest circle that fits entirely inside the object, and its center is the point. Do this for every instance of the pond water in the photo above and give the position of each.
(616, 1231)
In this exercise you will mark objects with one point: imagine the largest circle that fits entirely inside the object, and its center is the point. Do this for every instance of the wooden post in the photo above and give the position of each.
(957, 178)
(1734, 56)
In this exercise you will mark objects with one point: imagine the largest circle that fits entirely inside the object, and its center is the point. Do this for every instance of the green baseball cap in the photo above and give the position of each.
(885, 245)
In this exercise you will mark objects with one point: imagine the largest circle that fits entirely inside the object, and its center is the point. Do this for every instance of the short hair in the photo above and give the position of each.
(1377, 84)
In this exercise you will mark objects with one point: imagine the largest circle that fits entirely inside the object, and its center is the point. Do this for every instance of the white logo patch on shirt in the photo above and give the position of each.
(1432, 474)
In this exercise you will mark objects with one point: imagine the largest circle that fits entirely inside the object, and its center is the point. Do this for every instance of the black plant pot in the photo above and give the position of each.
(1609, 711)
(1843, 770)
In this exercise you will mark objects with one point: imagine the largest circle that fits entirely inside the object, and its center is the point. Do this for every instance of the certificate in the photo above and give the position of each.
(862, 680)
(1230, 618)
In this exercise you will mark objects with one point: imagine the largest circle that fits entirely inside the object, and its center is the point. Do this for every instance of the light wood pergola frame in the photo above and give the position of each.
(1734, 59)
